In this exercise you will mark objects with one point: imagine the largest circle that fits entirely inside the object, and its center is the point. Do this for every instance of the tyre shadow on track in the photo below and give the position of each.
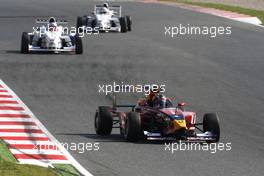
(37, 53)
(12, 52)
(111, 138)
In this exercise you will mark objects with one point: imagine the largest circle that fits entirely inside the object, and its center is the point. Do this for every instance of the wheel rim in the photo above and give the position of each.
(96, 121)
(126, 128)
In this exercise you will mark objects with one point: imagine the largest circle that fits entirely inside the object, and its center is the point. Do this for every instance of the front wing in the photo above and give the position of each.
(201, 137)
(111, 29)
(39, 49)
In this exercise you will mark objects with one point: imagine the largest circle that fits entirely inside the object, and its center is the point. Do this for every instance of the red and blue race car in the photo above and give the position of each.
(158, 121)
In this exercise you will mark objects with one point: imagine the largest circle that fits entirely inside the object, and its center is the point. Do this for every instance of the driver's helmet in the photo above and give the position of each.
(52, 25)
(162, 101)
(153, 93)
(106, 5)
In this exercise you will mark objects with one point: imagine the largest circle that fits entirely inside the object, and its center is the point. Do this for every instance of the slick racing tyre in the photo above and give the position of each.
(81, 21)
(132, 130)
(123, 24)
(25, 43)
(103, 121)
(93, 23)
(78, 45)
(129, 23)
(211, 124)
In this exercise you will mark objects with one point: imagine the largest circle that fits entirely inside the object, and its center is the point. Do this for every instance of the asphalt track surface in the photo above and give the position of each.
(223, 75)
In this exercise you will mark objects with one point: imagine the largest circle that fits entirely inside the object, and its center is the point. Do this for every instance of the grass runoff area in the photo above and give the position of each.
(246, 11)
(10, 167)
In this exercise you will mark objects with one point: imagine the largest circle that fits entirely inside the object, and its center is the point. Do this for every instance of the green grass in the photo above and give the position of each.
(66, 170)
(10, 167)
(13, 169)
(250, 12)
(5, 154)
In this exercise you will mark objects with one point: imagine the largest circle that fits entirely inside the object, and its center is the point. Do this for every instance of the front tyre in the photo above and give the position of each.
(78, 45)
(211, 124)
(132, 130)
(25, 43)
(103, 121)
(129, 23)
(123, 24)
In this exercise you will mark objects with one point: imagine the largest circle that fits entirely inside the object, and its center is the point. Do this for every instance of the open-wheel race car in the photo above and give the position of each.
(157, 122)
(50, 37)
(105, 19)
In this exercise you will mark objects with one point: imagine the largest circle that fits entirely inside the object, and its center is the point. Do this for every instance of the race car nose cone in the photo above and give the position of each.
(178, 124)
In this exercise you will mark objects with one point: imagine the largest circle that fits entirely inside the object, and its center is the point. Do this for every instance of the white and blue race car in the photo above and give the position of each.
(105, 19)
(51, 37)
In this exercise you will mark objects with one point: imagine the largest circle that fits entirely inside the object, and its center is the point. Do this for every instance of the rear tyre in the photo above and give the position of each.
(129, 23)
(123, 24)
(78, 45)
(93, 23)
(81, 21)
(211, 124)
(132, 130)
(25, 40)
(103, 121)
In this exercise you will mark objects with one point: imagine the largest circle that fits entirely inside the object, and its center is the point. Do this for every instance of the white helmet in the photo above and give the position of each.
(52, 26)
(106, 5)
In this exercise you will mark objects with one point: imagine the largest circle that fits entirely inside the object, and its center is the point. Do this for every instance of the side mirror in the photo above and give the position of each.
(181, 106)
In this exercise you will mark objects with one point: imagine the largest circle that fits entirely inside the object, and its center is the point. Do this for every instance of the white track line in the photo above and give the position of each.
(42, 143)
(12, 112)
(9, 105)
(4, 93)
(18, 127)
(22, 134)
(3, 99)
(35, 151)
(16, 119)
(42, 162)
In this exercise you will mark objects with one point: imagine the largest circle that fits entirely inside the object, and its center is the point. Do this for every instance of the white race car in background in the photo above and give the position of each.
(106, 19)
(50, 37)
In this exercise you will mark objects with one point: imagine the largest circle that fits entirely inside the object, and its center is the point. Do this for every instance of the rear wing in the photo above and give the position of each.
(115, 8)
(124, 106)
(115, 105)
(46, 21)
